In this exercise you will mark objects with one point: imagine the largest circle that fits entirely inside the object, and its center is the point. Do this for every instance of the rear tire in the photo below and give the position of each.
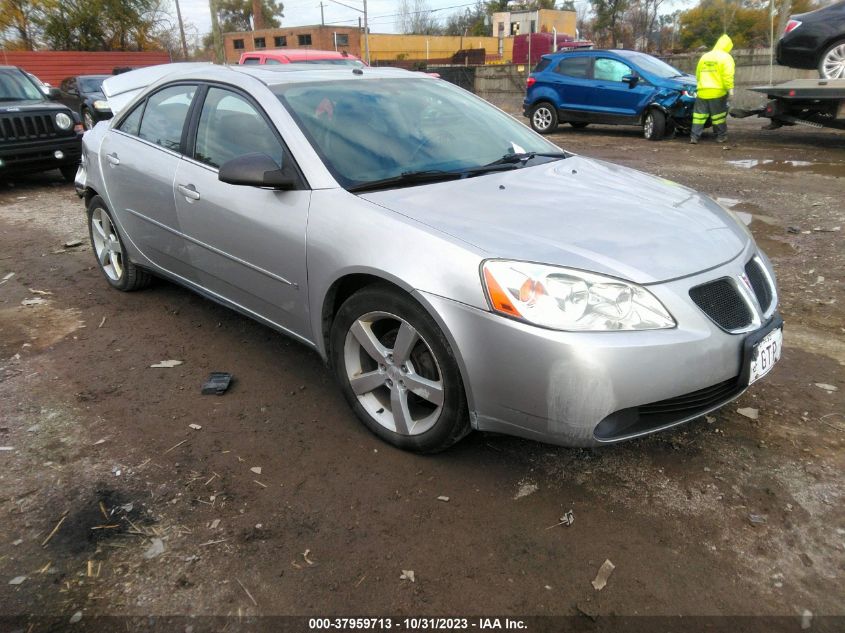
(544, 118)
(832, 61)
(110, 252)
(654, 125)
(397, 370)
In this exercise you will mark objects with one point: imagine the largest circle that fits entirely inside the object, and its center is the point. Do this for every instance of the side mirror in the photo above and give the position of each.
(257, 170)
(631, 80)
(54, 93)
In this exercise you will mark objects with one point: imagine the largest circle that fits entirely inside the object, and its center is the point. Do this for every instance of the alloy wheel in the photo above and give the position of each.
(833, 64)
(106, 244)
(394, 373)
(542, 118)
(648, 126)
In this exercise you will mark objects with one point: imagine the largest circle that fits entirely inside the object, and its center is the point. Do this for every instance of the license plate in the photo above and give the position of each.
(765, 354)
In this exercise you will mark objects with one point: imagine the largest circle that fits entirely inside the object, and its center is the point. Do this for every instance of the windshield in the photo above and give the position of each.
(91, 84)
(654, 66)
(14, 86)
(369, 130)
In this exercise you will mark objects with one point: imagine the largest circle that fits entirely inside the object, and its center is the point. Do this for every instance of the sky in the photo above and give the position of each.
(305, 12)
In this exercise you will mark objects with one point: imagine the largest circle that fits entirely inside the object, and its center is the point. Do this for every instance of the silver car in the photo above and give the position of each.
(456, 270)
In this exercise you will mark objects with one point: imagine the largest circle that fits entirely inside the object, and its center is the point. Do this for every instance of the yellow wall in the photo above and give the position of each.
(563, 21)
(391, 47)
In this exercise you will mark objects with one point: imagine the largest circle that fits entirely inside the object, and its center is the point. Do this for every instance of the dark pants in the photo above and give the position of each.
(714, 109)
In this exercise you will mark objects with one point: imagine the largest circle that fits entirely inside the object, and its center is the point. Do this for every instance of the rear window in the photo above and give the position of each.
(574, 67)
(544, 63)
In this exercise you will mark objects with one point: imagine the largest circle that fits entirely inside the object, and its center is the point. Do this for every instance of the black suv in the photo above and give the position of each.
(36, 134)
(816, 40)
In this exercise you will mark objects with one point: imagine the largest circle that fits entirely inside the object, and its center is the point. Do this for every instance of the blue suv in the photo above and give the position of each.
(617, 87)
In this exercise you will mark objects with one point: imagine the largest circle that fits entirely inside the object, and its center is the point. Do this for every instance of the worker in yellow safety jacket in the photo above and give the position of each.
(715, 77)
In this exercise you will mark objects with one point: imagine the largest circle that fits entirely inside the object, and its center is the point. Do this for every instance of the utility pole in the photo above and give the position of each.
(366, 26)
(182, 31)
(322, 16)
(215, 33)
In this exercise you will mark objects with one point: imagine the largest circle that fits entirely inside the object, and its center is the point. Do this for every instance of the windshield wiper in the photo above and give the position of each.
(428, 175)
(520, 157)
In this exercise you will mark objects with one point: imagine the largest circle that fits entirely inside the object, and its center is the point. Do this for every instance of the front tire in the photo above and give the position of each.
(832, 61)
(544, 118)
(110, 252)
(654, 125)
(397, 371)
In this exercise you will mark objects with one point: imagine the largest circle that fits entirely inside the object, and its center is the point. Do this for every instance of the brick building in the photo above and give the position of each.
(328, 38)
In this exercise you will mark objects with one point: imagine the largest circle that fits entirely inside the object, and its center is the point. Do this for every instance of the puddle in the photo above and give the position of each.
(836, 170)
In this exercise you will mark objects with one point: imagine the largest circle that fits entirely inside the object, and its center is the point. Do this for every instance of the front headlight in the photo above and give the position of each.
(568, 299)
(99, 104)
(63, 121)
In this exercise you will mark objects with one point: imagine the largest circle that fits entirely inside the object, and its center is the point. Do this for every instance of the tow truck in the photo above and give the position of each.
(812, 102)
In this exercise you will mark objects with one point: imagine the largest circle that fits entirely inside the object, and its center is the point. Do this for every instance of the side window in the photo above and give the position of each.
(164, 116)
(229, 127)
(542, 65)
(606, 69)
(578, 67)
(273, 62)
(250, 61)
(132, 122)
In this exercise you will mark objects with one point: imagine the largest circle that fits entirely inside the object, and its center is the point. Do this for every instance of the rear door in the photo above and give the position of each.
(247, 243)
(614, 97)
(571, 80)
(139, 159)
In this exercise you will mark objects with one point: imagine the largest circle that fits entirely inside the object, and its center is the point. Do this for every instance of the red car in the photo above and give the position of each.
(300, 56)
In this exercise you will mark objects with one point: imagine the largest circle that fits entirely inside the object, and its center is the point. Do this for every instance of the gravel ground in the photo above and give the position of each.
(725, 516)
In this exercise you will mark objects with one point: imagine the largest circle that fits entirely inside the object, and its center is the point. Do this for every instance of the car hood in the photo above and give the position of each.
(581, 213)
(679, 83)
(31, 106)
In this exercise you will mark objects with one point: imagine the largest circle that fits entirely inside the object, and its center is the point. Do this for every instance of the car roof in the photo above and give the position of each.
(299, 54)
(91, 76)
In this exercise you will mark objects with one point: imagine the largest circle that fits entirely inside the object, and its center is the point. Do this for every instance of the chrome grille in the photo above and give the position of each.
(759, 283)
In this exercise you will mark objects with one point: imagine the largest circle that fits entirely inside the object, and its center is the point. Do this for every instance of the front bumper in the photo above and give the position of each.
(559, 387)
(35, 156)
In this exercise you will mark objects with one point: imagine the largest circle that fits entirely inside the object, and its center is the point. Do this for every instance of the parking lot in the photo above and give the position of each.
(283, 503)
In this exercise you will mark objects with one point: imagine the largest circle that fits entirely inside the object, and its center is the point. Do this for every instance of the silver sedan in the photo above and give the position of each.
(456, 270)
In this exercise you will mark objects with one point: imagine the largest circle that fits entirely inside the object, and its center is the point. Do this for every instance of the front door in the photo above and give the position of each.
(615, 97)
(246, 243)
(140, 156)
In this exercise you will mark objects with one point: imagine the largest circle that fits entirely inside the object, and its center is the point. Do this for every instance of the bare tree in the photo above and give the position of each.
(416, 17)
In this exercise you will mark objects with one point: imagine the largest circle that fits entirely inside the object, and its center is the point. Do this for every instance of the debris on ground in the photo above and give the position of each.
(6, 278)
(72, 244)
(217, 383)
(155, 549)
(757, 519)
(407, 574)
(17, 580)
(568, 518)
(604, 573)
(214, 524)
(167, 364)
(246, 591)
(749, 412)
(7, 448)
(256, 470)
(305, 557)
(196, 427)
(806, 619)
(37, 301)
(827, 387)
(40, 292)
(526, 488)
(75, 618)
(102, 323)
(443, 498)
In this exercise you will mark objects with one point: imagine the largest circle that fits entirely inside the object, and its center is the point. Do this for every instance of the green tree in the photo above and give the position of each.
(236, 15)
(608, 17)
(18, 23)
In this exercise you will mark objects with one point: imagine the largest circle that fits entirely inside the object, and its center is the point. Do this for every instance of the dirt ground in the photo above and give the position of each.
(726, 516)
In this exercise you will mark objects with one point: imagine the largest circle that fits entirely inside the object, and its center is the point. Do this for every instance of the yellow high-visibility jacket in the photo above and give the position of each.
(715, 71)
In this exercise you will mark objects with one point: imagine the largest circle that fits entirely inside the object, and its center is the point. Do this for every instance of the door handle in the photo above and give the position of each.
(113, 159)
(189, 191)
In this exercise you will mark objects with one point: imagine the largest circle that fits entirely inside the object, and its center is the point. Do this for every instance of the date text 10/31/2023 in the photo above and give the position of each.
(416, 624)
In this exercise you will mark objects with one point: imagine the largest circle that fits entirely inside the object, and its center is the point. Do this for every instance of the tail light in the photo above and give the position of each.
(531, 81)
(791, 26)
